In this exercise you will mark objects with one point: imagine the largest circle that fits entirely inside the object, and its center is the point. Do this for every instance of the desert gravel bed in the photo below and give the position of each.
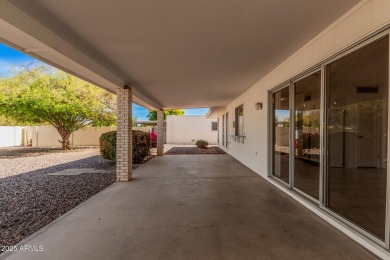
(26, 151)
(30, 198)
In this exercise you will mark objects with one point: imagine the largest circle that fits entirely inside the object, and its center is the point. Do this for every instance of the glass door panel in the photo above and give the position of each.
(281, 134)
(357, 127)
(227, 130)
(223, 130)
(307, 134)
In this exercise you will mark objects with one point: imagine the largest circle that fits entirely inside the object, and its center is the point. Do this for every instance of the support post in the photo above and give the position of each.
(160, 132)
(124, 136)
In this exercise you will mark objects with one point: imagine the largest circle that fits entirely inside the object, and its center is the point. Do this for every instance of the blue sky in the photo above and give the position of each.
(141, 112)
(282, 115)
(12, 60)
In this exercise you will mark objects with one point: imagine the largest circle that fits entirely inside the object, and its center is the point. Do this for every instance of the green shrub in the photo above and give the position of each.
(107, 143)
(141, 145)
(202, 144)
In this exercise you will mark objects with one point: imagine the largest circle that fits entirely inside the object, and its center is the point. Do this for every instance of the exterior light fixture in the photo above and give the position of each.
(259, 105)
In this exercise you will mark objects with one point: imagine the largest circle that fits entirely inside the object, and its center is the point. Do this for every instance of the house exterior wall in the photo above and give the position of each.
(361, 21)
(188, 129)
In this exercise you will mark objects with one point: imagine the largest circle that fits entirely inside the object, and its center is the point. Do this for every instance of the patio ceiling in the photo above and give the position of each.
(175, 54)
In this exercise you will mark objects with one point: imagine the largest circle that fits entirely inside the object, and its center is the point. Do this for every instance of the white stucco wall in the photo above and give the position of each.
(364, 19)
(11, 136)
(188, 129)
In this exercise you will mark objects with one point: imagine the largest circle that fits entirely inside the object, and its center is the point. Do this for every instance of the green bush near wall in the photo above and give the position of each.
(107, 142)
(141, 145)
(201, 144)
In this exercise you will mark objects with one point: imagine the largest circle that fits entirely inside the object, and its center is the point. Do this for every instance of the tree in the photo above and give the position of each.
(134, 121)
(312, 119)
(5, 121)
(48, 96)
(153, 114)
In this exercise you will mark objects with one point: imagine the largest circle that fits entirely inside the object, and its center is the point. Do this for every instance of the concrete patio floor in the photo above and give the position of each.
(191, 207)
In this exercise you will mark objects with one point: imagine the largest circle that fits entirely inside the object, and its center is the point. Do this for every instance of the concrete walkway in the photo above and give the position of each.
(191, 207)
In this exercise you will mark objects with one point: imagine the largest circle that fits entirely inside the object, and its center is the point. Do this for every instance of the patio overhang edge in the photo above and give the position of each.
(214, 112)
(28, 36)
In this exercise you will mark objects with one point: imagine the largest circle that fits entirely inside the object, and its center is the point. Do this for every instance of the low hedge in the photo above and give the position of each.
(141, 145)
(201, 144)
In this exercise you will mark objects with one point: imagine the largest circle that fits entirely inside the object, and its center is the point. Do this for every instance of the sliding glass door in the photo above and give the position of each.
(227, 130)
(357, 129)
(299, 155)
(330, 137)
(281, 134)
(307, 102)
(223, 130)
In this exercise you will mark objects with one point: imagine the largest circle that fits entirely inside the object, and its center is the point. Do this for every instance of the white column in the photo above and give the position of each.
(124, 135)
(160, 132)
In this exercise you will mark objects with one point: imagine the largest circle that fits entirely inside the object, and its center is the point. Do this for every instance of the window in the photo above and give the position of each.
(214, 126)
(217, 130)
(239, 124)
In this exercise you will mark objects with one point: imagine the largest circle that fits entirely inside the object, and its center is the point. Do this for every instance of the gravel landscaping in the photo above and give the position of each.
(194, 150)
(16, 152)
(30, 198)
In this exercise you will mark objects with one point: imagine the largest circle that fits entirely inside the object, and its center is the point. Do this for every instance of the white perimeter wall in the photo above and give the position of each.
(188, 129)
(48, 136)
(364, 19)
(11, 136)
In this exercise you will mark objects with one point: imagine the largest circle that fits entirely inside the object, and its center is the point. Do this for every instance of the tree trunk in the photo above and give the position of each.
(65, 139)
(65, 143)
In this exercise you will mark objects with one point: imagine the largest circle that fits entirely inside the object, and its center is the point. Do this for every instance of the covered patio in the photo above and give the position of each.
(256, 65)
(191, 207)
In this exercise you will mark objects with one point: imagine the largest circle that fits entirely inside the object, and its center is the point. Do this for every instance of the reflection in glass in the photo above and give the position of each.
(240, 120)
(307, 134)
(223, 130)
(227, 130)
(281, 134)
(357, 136)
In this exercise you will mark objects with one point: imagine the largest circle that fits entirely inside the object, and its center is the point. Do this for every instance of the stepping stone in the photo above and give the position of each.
(71, 172)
